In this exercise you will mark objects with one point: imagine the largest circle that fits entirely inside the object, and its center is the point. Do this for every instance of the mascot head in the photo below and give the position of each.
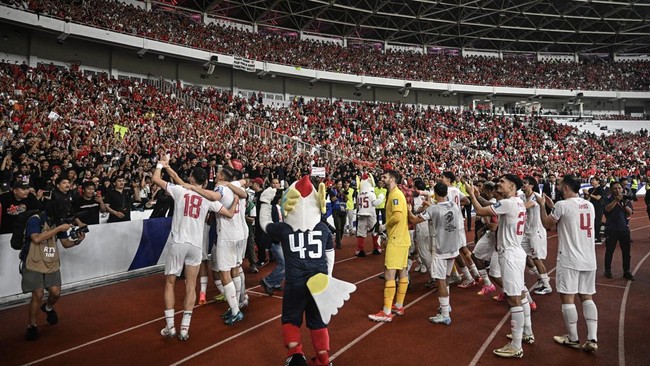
(366, 184)
(302, 205)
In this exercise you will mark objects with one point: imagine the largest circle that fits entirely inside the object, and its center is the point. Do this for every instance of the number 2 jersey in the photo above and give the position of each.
(575, 228)
(190, 210)
(304, 252)
(512, 219)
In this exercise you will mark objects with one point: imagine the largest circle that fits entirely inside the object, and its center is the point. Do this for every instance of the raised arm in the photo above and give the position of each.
(480, 209)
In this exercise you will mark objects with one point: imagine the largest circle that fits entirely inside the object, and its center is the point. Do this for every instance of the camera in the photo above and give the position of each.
(76, 231)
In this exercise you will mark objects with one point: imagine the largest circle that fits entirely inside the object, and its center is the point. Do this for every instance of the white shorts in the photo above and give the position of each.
(365, 224)
(495, 267)
(227, 255)
(205, 250)
(534, 244)
(180, 255)
(571, 281)
(463, 241)
(412, 247)
(485, 246)
(512, 265)
(441, 267)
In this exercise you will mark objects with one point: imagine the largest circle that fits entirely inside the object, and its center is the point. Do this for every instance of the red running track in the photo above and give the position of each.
(120, 323)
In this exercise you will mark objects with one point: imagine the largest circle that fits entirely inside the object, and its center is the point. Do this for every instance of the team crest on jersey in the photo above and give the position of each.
(395, 201)
(497, 205)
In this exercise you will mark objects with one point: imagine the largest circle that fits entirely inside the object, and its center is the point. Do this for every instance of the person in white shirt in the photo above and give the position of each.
(190, 211)
(446, 219)
(512, 259)
(366, 214)
(464, 262)
(534, 242)
(424, 238)
(576, 261)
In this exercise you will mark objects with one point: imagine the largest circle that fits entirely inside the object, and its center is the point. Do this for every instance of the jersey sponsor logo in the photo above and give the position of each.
(395, 201)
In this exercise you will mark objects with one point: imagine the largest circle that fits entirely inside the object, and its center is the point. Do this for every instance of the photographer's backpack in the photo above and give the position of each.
(18, 239)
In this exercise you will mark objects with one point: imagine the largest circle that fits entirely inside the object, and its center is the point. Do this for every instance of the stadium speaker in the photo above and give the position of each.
(214, 59)
(580, 95)
(210, 69)
(406, 93)
(407, 85)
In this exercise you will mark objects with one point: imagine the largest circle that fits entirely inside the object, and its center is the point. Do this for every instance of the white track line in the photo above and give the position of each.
(263, 294)
(621, 319)
(248, 330)
(144, 324)
(496, 329)
(375, 327)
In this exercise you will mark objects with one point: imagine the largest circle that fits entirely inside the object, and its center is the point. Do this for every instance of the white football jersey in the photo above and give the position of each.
(533, 216)
(512, 220)
(421, 229)
(230, 228)
(455, 195)
(575, 229)
(190, 210)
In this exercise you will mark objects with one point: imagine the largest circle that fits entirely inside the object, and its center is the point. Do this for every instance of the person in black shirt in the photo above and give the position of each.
(618, 210)
(60, 205)
(595, 196)
(118, 202)
(19, 200)
(88, 205)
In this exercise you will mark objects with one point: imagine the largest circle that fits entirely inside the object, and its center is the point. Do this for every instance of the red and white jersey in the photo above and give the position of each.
(230, 228)
(575, 229)
(366, 202)
(512, 219)
(190, 210)
(455, 195)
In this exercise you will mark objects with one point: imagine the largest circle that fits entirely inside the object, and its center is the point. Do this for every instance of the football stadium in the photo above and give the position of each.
(324, 182)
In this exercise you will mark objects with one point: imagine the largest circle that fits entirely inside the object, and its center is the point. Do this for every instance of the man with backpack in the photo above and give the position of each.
(40, 266)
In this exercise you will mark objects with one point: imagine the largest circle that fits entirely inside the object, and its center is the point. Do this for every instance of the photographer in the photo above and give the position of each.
(618, 209)
(40, 266)
(88, 205)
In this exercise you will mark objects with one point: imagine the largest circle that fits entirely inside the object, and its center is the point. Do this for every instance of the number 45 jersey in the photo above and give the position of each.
(575, 228)
(304, 251)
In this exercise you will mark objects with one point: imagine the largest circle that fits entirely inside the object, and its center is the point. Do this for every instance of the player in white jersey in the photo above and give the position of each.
(366, 214)
(465, 263)
(190, 211)
(446, 220)
(512, 259)
(425, 236)
(228, 253)
(576, 261)
(484, 248)
(534, 242)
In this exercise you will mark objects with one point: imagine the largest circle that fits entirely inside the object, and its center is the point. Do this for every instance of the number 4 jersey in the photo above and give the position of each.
(575, 228)
(304, 252)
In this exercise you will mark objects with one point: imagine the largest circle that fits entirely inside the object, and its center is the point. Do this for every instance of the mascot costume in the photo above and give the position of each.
(366, 214)
(309, 292)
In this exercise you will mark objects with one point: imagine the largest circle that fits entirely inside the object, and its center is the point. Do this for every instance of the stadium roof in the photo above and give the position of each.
(564, 26)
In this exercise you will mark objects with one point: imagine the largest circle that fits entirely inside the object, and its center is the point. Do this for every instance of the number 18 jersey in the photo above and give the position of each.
(190, 210)
(575, 229)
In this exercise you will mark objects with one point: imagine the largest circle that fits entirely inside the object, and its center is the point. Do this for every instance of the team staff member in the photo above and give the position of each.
(397, 249)
(576, 262)
(618, 210)
(40, 268)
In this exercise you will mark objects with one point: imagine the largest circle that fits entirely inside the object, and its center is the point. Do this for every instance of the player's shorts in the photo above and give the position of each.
(181, 254)
(495, 267)
(572, 281)
(463, 241)
(485, 246)
(534, 244)
(365, 225)
(227, 254)
(513, 264)
(396, 257)
(441, 267)
(32, 281)
(205, 250)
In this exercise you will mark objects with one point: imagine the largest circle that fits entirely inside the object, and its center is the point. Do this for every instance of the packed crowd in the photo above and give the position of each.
(189, 30)
(57, 121)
